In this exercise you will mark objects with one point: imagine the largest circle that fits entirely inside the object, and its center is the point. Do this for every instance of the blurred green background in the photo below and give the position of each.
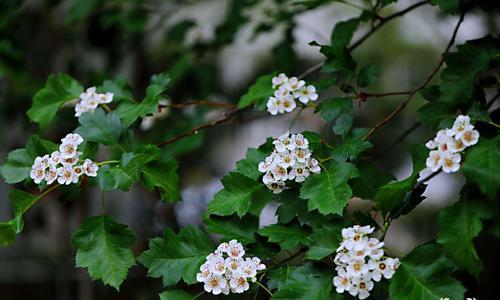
(213, 50)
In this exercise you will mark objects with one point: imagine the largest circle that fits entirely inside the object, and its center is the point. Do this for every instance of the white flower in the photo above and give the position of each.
(235, 249)
(287, 159)
(233, 264)
(258, 263)
(215, 284)
(104, 98)
(72, 138)
(67, 150)
(299, 172)
(37, 174)
(361, 287)
(239, 284)
(72, 160)
(288, 103)
(279, 173)
(276, 187)
(469, 137)
(279, 80)
(41, 162)
(281, 93)
(50, 175)
(66, 175)
(450, 162)
(203, 274)
(55, 158)
(461, 124)
(222, 248)
(434, 161)
(90, 104)
(357, 267)
(269, 178)
(382, 268)
(90, 168)
(313, 165)
(299, 141)
(248, 268)
(456, 146)
(294, 84)
(431, 145)
(306, 94)
(217, 266)
(266, 165)
(274, 106)
(342, 281)
(89, 93)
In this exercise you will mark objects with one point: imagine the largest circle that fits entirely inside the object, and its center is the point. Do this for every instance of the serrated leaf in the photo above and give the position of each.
(120, 89)
(131, 111)
(370, 179)
(103, 247)
(249, 165)
(324, 241)
(177, 256)
(21, 201)
(288, 237)
(343, 31)
(424, 274)
(112, 178)
(333, 108)
(448, 6)
(459, 225)
(238, 195)
(481, 165)
(350, 149)
(163, 175)
(258, 93)
(233, 227)
(58, 89)
(343, 125)
(328, 191)
(368, 75)
(434, 113)
(100, 127)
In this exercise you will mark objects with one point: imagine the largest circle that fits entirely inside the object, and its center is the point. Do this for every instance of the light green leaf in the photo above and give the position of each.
(120, 89)
(350, 149)
(100, 127)
(288, 237)
(249, 165)
(22, 201)
(333, 108)
(17, 167)
(238, 195)
(328, 191)
(7, 233)
(130, 111)
(163, 175)
(112, 178)
(481, 165)
(58, 89)
(425, 275)
(177, 256)
(103, 247)
(258, 93)
(459, 225)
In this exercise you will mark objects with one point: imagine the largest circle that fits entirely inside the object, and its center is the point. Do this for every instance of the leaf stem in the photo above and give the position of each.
(198, 295)
(106, 107)
(107, 162)
(264, 288)
(387, 223)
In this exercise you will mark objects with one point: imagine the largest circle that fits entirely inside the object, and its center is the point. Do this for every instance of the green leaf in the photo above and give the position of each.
(343, 125)
(288, 237)
(481, 165)
(448, 6)
(459, 225)
(368, 75)
(350, 149)
(424, 274)
(7, 233)
(338, 59)
(328, 191)
(392, 195)
(238, 195)
(258, 93)
(177, 256)
(112, 178)
(433, 113)
(301, 283)
(370, 179)
(478, 112)
(103, 247)
(163, 175)
(22, 201)
(131, 111)
(58, 89)
(176, 295)
(324, 241)
(17, 167)
(120, 89)
(333, 108)
(343, 31)
(100, 127)
(233, 227)
(81, 10)
(249, 165)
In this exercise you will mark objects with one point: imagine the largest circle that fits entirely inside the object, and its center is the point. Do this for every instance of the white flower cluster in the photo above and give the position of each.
(89, 100)
(448, 144)
(290, 152)
(227, 271)
(360, 260)
(286, 91)
(63, 164)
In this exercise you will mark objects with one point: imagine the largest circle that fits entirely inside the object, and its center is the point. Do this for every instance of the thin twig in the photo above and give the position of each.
(226, 117)
(403, 104)
(198, 103)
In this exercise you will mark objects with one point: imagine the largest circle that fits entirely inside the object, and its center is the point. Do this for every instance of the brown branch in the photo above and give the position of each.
(426, 81)
(225, 117)
(383, 20)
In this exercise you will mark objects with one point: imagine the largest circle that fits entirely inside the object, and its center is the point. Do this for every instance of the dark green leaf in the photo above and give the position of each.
(58, 89)
(288, 237)
(249, 165)
(350, 149)
(103, 247)
(324, 241)
(233, 227)
(425, 275)
(343, 31)
(163, 175)
(448, 6)
(258, 93)
(176, 295)
(17, 167)
(177, 256)
(368, 75)
(333, 108)
(343, 125)
(100, 127)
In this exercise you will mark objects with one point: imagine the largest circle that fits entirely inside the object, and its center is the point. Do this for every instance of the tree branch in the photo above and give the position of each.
(426, 81)
(198, 103)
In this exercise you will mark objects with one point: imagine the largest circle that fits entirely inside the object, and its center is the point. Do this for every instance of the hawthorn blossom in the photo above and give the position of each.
(90, 100)
(286, 92)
